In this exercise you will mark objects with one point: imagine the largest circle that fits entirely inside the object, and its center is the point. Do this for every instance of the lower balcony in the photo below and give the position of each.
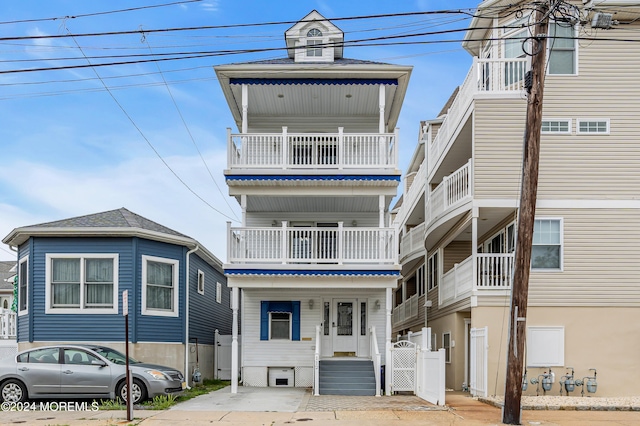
(406, 312)
(495, 273)
(312, 245)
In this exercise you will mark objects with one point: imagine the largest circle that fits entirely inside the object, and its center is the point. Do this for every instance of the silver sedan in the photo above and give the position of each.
(82, 371)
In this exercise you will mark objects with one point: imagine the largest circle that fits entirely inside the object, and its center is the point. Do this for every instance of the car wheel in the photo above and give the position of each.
(138, 391)
(13, 391)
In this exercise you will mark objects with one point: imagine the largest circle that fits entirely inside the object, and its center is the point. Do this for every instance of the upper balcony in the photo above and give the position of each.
(312, 153)
(288, 245)
(494, 277)
(490, 77)
(412, 244)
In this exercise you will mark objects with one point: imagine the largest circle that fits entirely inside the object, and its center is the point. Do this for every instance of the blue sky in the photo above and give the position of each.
(68, 148)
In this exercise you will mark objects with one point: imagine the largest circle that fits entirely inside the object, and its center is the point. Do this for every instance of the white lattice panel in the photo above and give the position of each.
(403, 356)
(255, 376)
(304, 377)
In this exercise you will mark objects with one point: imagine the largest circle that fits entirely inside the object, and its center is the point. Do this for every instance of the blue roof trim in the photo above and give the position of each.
(319, 81)
(313, 177)
(311, 272)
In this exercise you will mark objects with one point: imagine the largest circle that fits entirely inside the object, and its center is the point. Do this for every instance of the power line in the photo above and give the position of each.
(131, 9)
(150, 144)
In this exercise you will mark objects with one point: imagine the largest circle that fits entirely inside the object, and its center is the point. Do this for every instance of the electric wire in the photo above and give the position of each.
(124, 111)
(184, 123)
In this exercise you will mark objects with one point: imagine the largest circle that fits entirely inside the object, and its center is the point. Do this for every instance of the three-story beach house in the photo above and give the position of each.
(314, 167)
(584, 293)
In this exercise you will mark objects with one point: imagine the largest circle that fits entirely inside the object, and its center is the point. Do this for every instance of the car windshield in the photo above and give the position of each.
(114, 356)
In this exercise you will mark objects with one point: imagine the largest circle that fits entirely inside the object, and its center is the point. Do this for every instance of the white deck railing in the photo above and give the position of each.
(406, 311)
(498, 76)
(8, 322)
(413, 241)
(453, 190)
(297, 245)
(312, 150)
(413, 194)
(495, 272)
(375, 357)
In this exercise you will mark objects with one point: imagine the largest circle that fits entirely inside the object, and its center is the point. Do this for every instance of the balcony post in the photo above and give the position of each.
(229, 256)
(396, 142)
(341, 155)
(245, 107)
(285, 248)
(230, 150)
(340, 242)
(285, 148)
(474, 248)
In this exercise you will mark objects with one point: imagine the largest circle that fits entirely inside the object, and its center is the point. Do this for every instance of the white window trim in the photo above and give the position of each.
(290, 326)
(568, 120)
(576, 32)
(582, 120)
(25, 311)
(447, 333)
(561, 269)
(428, 271)
(200, 274)
(219, 292)
(49, 309)
(176, 293)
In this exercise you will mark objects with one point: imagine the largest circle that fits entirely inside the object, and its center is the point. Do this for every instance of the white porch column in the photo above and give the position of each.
(243, 206)
(381, 203)
(245, 108)
(382, 105)
(387, 340)
(474, 247)
(234, 340)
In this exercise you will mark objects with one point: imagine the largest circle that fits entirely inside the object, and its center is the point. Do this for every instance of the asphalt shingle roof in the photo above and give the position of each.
(290, 61)
(120, 218)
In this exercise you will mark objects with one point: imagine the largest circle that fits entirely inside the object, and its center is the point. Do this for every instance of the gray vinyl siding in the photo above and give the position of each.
(151, 328)
(205, 314)
(454, 253)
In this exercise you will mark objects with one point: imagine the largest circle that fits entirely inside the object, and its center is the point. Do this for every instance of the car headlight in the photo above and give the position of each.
(158, 375)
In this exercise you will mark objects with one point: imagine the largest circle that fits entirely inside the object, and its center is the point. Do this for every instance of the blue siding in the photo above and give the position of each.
(205, 314)
(78, 327)
(151, 328)
(38, 326)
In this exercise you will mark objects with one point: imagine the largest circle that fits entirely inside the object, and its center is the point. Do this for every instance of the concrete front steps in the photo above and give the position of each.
(347, 377)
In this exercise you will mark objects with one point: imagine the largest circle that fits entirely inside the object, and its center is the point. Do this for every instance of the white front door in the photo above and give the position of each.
(344, 330)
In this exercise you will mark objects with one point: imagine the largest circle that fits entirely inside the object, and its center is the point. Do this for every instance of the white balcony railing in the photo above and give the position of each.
(406, 311)
(300, 245)
(312, 150)
(498, 76)
(495, 272)
(453, 190)
(7, 324)
(413, 194)
(412, 242)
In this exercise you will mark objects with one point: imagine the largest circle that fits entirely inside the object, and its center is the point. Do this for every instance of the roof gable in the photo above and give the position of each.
(330, 38)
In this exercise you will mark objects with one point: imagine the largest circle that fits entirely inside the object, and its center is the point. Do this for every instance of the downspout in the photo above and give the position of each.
(186, 320)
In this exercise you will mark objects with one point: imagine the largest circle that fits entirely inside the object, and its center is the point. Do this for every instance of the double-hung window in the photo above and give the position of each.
(23, 285)
(82, 283)
(562, 48)
(159, 286)
(433, 271)
(314, 42)
(546, 251)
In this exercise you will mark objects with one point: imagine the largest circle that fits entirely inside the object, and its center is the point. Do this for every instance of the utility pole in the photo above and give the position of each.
(526, 216)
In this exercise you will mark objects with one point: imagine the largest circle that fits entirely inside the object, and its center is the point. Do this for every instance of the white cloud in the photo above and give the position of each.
(210, 6)
(144, 186)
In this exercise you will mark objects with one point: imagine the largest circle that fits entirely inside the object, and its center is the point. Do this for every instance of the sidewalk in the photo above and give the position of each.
(287, 406)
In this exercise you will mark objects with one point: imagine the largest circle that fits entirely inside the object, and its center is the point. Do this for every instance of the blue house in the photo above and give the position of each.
(72, 274)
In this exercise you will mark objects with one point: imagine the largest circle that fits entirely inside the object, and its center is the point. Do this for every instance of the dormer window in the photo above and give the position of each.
(314, 37)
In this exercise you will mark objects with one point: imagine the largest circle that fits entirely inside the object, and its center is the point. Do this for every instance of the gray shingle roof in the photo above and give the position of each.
(5, 272)
(120, 218)
(289, 61)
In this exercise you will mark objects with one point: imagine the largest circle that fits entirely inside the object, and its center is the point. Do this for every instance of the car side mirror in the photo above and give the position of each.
(99, 363)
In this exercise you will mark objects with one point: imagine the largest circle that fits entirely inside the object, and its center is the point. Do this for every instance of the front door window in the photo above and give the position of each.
(345, 319)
